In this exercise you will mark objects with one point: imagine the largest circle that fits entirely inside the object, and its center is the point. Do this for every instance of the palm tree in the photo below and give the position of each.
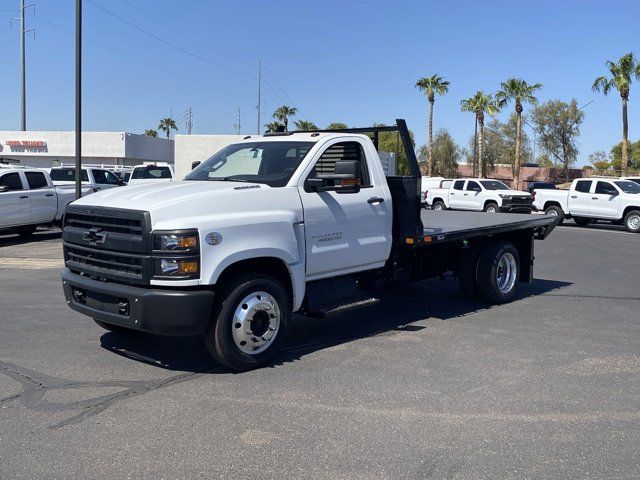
(431, 86)
(151, 133)
(271, 127)
(479, 104)
(306, 125)
(167, 124)
(520, 92)
(283, 113)
(337, 126)
(621, 74)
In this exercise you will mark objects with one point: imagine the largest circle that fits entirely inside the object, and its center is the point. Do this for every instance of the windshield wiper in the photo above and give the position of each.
(228, 179)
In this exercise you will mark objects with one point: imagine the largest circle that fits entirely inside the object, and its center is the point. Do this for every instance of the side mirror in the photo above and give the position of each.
(612, 192)
(477, 189)
(120, 182)
(195, 164)
(345, 179)
(4, 188)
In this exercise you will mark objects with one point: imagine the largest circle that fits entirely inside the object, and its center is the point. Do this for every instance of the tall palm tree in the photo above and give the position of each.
(306, 125)
(520, 92)
(271, 127)
(431, 86)
(479, 104)
(621, 74)
(151, 133)
(283, 113)
(166, 125)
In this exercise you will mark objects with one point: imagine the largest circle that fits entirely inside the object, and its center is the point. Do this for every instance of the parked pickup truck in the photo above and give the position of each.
(276, 224)
(479, 195)
(94, 178)
(591, 199)
(28, 198)
(151, 173)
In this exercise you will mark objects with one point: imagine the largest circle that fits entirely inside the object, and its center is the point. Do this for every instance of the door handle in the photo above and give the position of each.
(49, 195)
(466, 194)
(375, 200)
(24, 196)
(594, 198)
(574, 196)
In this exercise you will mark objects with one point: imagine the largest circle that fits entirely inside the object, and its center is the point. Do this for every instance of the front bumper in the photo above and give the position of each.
(516, 209)
(154, 310)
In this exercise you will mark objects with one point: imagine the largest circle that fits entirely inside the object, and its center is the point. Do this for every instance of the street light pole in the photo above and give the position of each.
(78, 97)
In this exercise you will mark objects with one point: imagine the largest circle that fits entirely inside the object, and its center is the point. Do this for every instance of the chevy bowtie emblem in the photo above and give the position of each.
(95, 235)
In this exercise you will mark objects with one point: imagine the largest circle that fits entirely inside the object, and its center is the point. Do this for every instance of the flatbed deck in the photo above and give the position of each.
(446, 226)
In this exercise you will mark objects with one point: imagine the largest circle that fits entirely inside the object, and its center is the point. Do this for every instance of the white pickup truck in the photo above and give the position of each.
(271, 225)
(151, 173)
(28, 199)
(479, 195)
(94, 178)
(591, 199)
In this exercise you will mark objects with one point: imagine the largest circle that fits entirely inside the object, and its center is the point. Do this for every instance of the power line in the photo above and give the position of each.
(175, 30)
(162, 40)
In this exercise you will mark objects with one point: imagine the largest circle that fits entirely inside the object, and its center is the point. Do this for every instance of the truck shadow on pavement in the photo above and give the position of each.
(9, 239)
(393, 311)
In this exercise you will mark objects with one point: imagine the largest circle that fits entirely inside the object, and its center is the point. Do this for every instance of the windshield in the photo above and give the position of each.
(627, 186)
(493, 185)
(272, 163)
(635, 180)
(67, 175)
(151, 172)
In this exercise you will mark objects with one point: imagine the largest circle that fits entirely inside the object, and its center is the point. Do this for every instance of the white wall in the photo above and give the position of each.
(193, 148)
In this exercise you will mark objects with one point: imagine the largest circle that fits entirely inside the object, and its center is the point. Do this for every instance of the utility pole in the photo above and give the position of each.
(23, 73)
(236, 125)
(259, 93)
(78, 96)
(189, 122)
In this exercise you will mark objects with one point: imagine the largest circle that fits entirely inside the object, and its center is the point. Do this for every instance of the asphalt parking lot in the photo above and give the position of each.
(424, 384)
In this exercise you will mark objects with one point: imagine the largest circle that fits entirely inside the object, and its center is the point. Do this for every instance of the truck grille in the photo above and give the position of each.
(108, 243)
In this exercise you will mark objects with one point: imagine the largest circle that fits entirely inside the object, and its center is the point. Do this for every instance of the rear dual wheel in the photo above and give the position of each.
(249, 322)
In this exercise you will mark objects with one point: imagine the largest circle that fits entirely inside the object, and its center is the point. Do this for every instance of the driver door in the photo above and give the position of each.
(346, 231)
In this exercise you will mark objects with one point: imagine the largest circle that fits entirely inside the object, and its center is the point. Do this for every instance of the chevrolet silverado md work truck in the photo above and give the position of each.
(276, 224)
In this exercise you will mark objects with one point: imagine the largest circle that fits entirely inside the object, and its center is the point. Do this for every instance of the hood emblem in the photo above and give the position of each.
(94, 235)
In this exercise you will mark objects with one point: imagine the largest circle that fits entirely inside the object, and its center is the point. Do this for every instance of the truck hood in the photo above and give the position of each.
(177, 203)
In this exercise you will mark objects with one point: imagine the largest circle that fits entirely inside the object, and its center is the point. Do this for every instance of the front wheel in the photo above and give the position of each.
(498, 272)
(632, 221)
(491, 207)
(249, 322)
(438, 205)
(555, 211)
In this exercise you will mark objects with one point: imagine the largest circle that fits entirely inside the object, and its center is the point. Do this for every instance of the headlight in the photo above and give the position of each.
(179, 240)
(504, 195)
(176, 255)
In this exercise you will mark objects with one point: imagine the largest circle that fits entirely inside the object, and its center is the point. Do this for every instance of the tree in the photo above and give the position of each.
(446, 154)
(479, 104)
(271, 127)
(166, 125)
(392, 143)
(599, 160)
(306, 125)
(431, 86)
(337, 126)
(557, 124)
(518, 91)
(633, 154)
(151, 133)
(620, 79)
(283, 113)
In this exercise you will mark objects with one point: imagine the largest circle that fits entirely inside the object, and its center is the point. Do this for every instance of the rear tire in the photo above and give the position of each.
(111, 327)
(632, 221)
(498, 272)
(491, 207)
(582, 221)
(555, 211)
(438, 205)
(26, 231)
(249, 322)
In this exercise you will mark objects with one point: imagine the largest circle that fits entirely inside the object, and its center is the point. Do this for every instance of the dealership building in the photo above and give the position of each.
(48, 149)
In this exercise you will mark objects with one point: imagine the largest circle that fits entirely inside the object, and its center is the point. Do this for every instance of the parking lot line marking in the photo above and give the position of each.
(31, 263)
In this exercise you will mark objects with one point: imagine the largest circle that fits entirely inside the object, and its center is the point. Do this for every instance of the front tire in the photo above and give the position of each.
(555, 211)
(491, 207)
(438, 205)
(249, 322)
(632, 221)
(498, 272)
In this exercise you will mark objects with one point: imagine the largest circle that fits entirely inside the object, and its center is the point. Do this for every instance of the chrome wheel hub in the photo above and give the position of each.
(506, 273)
(437, 207)
(634, 222)
(552, 213)
(256, 322)
(491, 209)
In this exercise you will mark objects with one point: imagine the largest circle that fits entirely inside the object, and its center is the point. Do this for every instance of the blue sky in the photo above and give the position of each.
(350, 61)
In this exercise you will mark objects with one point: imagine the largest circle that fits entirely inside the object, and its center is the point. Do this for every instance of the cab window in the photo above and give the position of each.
(458, 185)
(605, 188)
(11, 180)
(583, 186)
(326, 164)
(36, 180)
(473, 186)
